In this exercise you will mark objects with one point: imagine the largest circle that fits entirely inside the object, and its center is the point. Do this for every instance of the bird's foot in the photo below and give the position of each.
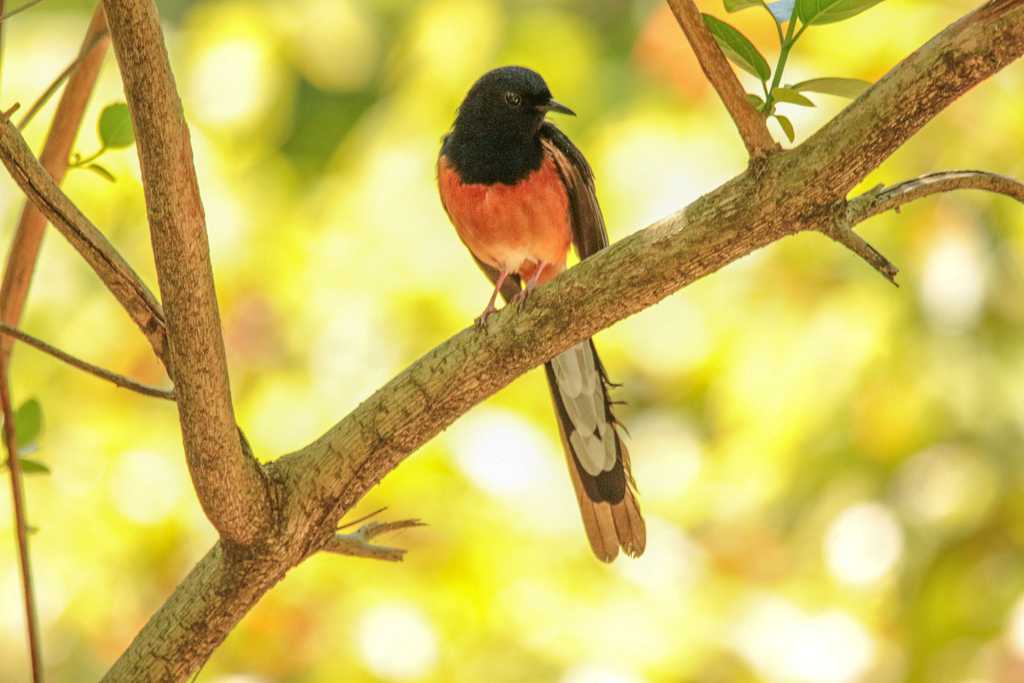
(519, 300)
(481, 320)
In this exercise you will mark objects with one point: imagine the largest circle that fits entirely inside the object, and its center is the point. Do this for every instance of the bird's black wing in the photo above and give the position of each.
(588, 232)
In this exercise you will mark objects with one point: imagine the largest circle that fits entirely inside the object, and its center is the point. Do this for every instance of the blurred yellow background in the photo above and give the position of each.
(832, 469)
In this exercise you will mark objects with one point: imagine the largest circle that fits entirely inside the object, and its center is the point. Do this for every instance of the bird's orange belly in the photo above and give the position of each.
(514, 228)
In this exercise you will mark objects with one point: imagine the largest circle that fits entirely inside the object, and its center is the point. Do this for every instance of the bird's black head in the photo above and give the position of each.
(494, 138)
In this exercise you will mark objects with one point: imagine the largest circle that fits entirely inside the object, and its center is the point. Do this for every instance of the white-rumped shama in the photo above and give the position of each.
(518, 193)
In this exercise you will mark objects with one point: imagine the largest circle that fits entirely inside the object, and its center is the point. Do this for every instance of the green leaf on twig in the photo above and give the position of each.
(32, 466)
(115, 126)
(840, 87)
(787, 126)
(791, 96)
(817, 12)
(738, 48)
(28, 423)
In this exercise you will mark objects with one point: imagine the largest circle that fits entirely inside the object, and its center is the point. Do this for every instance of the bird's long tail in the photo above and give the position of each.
(597, 457)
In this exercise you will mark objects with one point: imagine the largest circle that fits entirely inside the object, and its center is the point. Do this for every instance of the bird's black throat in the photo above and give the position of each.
(482, 154)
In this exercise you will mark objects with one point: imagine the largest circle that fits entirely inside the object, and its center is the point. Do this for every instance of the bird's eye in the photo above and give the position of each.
(513, 99)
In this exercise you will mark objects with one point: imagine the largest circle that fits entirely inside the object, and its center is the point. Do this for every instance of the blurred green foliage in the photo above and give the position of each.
(832, 469)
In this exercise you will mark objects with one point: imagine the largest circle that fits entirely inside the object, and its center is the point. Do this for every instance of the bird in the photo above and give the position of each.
(519, 193)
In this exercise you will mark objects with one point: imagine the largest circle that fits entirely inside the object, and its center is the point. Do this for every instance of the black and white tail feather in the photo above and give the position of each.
(597, 456)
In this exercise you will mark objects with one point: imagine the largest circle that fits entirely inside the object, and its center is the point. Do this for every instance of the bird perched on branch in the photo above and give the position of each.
(519, 193)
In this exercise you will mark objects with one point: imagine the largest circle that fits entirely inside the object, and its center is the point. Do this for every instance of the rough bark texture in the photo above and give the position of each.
(28, 237)
(230, 485)
(781, 194)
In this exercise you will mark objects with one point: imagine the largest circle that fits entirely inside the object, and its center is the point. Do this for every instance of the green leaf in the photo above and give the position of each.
(737, 48)
(32, 466)
(101, 172)
(787, 126)
(817, 12)
(737, 5)
(755, 101)
(28, 423)
(791, 96)
(115, 126)
(841, 87)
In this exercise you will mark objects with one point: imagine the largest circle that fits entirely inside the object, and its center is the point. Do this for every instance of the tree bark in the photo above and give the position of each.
(786, 193)
(230, 484)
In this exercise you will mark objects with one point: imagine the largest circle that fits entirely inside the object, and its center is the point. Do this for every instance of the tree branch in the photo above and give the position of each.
(21, 260)
(123, 282)
(882, 199)
(113, 377)
(229, 482)
(20, 526)
(751, 125)
(357, 543)
(326, 478)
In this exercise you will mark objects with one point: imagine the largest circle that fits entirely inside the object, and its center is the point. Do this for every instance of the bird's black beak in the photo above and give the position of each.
(556, 106)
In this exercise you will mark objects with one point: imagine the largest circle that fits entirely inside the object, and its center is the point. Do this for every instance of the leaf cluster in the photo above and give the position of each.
(797, 16)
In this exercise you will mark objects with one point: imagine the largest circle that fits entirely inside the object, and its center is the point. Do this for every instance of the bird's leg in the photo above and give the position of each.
(481, 321)
(520, 298)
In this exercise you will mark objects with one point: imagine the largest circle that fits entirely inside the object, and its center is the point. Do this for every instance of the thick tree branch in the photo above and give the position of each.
(883, 199)
(21, 261)
(792, 191)
(113, 377)
(228, 480)
(751, 125)
(123, 282)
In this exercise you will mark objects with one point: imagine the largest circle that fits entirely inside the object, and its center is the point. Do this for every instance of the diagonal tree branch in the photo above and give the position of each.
(229, 482)
(883, 199)
(751, 125)
(113, 377)
(21, 261)
(54, 205)
(792, 191)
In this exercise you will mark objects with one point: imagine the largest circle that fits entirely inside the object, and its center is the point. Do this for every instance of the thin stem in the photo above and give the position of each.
(113, 377)
(787, 45)
(19, 10)
(58, 81)
(78, 163)
(20, 526)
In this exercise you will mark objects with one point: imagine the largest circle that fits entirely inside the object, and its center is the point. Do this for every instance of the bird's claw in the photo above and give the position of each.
(481, 321)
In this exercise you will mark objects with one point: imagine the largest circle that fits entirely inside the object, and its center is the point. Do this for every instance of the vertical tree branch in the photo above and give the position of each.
(20, 526)
(229, 482)
(21, 260)
(751, 125)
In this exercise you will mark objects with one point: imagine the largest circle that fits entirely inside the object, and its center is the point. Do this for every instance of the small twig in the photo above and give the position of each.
(25, 245)
(361, 519)
(59, 80)
(749, 122)
(881, 199)
(843, 233)
(113, 377)
(19, 10)
(13, 108)
(122, 281)
(357, 543)
(20, 526)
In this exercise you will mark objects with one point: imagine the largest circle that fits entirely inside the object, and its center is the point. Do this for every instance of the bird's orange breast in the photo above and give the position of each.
(513, 228)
